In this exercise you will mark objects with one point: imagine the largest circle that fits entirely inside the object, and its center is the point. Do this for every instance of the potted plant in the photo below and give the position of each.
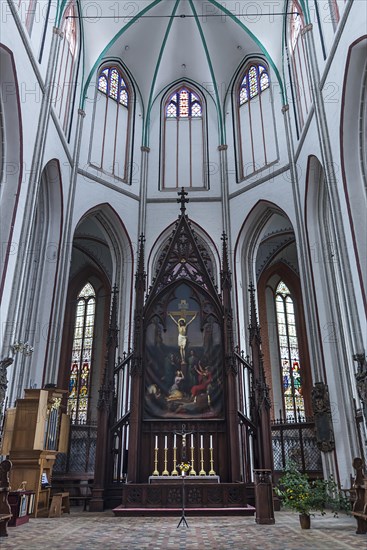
(300, 494)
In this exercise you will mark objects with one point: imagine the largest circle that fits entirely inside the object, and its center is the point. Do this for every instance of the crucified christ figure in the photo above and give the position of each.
(182, 333)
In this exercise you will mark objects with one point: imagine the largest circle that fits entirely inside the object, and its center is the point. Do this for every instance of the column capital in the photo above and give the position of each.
(285, 108)
(145, 149)
(81, 112)
(222, 147)
(306, 29)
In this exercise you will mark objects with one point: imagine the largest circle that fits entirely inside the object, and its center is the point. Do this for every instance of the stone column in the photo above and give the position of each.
(143, 189)
(65, 250)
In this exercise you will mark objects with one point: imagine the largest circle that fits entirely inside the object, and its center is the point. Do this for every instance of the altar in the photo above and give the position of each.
(188, 479)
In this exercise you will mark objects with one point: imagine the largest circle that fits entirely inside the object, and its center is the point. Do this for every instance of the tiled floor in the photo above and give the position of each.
(86, 531)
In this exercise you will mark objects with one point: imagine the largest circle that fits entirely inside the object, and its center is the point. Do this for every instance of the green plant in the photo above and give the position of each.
(297, 492)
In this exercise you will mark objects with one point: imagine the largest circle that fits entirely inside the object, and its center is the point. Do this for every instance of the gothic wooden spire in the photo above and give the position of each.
(182, 200)
(254, 327)
(225, 274)
(140, 275)
(106, 389)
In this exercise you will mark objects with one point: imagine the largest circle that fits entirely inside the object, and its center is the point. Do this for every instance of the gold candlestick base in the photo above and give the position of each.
(211, 471)
(192, 471)
(202, 471)
(155, 471)
(165, 471)
(174, 471)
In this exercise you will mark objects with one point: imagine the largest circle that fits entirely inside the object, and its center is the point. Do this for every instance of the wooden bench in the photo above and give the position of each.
(360, 505)
(5, 510)
(79, 488)
(59, 504)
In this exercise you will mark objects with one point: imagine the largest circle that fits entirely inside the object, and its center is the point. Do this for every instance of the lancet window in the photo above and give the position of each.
(111, 126)
(81, 356)
(255, 126)
(291, 371)
(184, 140)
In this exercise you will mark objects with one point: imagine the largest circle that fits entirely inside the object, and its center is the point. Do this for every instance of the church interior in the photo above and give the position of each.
(183, 259)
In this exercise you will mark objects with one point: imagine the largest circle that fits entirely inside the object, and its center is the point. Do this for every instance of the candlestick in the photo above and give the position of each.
(211, 471)
(192, 471)
(155, 471)
(202, 471)
(174, 471)
(165, 471)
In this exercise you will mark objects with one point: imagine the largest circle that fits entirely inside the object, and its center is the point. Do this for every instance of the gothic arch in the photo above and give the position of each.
(353, 145)
(11, 153)
(186, 132)
(36, 308)
(248, 263)
(266, 253)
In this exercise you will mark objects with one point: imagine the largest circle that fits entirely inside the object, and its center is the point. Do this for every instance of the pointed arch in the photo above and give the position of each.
(112, 127)
(11, 153)
(184, 149)
(256, 145)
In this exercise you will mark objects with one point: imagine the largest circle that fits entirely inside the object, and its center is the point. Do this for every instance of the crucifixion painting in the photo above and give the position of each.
(183, 368)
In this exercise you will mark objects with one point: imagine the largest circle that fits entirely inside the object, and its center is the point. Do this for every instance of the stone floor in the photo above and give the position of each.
(86, 531)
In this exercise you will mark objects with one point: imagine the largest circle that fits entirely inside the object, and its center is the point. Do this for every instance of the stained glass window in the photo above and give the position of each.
(289, 354)
(81, 357)
(255, 81)
(183, 104)
(111, 83)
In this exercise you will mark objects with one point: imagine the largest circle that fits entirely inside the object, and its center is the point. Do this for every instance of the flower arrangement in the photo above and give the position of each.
(183, 467)
(297, 492)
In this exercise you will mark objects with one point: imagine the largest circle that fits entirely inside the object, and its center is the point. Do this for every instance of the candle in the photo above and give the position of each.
(211, 441)
(192, 441)
(165, 442)
(174, 440)
(156, 442)
(201, 442)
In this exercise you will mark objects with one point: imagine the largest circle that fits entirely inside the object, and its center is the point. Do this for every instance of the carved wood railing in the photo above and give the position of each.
(120, 430)
(123, 385)
(246, 426)
(296, 441)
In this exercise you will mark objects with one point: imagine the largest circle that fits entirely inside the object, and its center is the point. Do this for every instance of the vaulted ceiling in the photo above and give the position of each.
(161, 41)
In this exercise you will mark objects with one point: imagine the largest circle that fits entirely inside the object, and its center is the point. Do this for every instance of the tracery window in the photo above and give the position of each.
(66, 75)
(81, 356)
(111, 83)
(291, 371)
(184, 140)
(110, 147)
(255, 81)
(255, 130)
(300, 78)
(183, 104)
